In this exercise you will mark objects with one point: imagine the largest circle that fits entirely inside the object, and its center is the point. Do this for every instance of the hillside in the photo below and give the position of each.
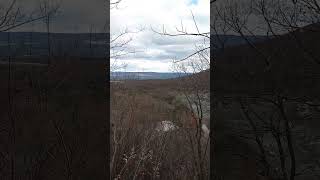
(286, 63)
(144, 75)
(266, 108)
(35, 44)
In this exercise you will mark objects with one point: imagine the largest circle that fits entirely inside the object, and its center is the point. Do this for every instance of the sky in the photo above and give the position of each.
(74, 16)
(149, 51)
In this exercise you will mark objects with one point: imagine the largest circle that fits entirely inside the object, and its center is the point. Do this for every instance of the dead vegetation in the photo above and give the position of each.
(140, 149)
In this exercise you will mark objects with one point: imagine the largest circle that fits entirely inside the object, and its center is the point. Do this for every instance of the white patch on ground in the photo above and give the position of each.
(205, 129)
(165, 126)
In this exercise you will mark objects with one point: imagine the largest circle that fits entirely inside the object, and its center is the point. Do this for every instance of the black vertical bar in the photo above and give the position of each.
(108, 91)
(212, 164)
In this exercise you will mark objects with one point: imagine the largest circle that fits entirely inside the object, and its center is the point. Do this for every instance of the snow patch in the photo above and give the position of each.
(165, 126)
(205, 129)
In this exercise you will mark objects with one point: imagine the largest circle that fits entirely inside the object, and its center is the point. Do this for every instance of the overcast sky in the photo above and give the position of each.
(74, 16)
(154, 52)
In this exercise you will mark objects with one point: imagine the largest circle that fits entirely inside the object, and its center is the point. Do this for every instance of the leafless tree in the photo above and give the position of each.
(195, 92)
(273, 19)
(183, 32)
(12, 17)
(120, 43)
(49, 9)
(114, 3)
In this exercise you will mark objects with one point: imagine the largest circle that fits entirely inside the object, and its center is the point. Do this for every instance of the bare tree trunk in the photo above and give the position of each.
(281, 155)
(289, 140)
(257, 139)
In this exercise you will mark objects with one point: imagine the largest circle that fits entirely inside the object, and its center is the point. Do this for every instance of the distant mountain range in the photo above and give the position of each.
(145, 75)
(34, 44)
(288, 63)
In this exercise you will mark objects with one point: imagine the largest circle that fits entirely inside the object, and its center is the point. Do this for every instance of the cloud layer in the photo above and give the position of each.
(155, 52)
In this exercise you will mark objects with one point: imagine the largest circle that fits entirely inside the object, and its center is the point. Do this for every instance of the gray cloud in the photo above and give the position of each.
(155, 47)
(75, 16)
(155, 52)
